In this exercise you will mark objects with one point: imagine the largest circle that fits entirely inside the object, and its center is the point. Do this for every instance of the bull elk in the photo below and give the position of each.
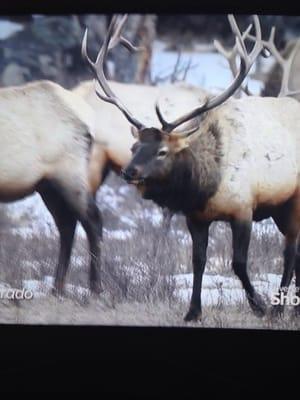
(46, 135)
(110, 150)
(235, 160)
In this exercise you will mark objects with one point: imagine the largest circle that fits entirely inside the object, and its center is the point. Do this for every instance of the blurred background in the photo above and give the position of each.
(158, 269)
(48, 47)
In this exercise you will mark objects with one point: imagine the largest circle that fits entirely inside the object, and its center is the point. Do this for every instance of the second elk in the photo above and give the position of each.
(46, 137)
(234, 160)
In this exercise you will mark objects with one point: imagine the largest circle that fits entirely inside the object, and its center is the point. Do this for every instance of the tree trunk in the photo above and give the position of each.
(135, 67)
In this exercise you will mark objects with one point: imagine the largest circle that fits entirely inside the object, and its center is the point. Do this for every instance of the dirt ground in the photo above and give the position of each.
(91, 311)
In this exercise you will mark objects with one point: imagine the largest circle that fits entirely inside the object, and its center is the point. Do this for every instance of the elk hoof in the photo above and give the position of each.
(96, 288)
(277, 311)
(193, 315)
(257, 305)
(297, 311)
(57, 292)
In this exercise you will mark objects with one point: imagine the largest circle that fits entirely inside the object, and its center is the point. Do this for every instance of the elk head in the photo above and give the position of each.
(158, 151)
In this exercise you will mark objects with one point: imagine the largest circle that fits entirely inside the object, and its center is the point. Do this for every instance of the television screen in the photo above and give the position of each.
(149, 170)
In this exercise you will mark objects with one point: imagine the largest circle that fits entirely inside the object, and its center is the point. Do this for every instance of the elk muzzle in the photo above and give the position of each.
(132, 174)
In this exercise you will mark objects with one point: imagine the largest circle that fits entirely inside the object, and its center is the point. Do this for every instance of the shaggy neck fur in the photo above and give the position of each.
(195, 175)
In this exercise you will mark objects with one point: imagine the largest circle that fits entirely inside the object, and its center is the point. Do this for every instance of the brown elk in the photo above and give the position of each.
(110, 151)
(237, 160)
(46, 137)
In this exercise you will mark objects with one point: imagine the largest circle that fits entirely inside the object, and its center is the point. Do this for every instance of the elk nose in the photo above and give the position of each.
(131, 172)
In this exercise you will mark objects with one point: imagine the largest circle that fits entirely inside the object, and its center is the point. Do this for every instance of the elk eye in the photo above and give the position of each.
(162, 152)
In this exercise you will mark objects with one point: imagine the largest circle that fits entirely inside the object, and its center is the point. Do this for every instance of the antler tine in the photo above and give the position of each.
(285, 64)
(286, 67)
(246, 62)
(270, 45)
(231, 55)
(258, 46)
(118, 38)
(112, 39)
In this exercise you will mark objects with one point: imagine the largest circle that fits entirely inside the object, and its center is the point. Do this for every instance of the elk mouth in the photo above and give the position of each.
(135, 181)
(132, 180)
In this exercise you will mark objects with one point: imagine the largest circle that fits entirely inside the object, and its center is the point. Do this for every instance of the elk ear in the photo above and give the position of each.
(178, 143)
(134, 132)
(183, 137)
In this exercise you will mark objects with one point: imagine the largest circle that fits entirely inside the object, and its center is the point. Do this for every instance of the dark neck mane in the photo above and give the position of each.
(195, 176)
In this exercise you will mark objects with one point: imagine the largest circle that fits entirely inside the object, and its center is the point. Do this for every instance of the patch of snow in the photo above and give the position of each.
(43, 288)
(108, 196)
(210, 69)
(128, 221)
(183, 237)
(8, 28)
(118, 234)
(31, 216)
(218, 289)
(123, 190)
(153, 215)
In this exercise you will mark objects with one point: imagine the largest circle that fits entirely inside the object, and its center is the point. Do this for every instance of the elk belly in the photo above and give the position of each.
(276, 173)
(20, 171)
(18, 180)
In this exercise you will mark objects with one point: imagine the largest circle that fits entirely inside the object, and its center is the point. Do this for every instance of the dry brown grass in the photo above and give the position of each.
(51, 310)
(138, 273)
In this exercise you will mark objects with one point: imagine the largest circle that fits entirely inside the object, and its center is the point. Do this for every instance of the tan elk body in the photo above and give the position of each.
(260, 167)
(41, 128)
(46, 134)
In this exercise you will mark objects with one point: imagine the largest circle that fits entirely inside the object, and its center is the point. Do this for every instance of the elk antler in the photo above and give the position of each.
(285, 64)
(231, 56)
(111, 40)
(246, 62)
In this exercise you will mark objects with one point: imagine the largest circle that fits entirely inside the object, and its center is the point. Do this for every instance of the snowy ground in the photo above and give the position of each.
(216, 289)
(33, 220)
(209, 70)
(8, 28)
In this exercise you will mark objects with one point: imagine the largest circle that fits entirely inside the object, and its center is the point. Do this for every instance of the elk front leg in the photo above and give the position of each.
(241, 233)
(290, 260)
(65, 221)
(92, 224)
(199, 233)
(297, 272)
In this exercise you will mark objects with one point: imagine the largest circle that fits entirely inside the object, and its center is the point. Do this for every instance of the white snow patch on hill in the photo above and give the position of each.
(218, 289)
(7, 28)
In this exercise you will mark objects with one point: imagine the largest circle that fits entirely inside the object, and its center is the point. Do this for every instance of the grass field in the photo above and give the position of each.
(50, 310)
(143, 268)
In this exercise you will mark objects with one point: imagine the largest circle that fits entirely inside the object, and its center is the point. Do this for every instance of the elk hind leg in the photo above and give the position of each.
(297, 272)
(288, 223)
(92, 224)
(65, 221)
(241, 232)
(199, 233)
(77, 193)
